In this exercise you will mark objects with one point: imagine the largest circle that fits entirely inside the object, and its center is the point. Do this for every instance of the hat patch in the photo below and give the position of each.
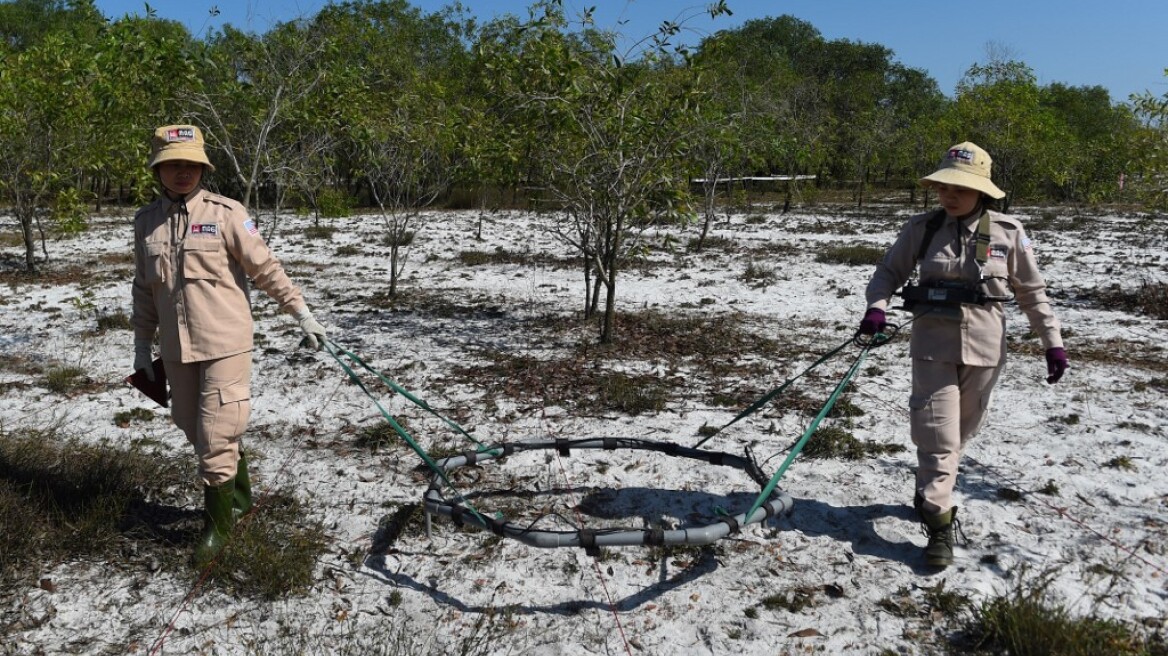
(180, 135)
(961, 154)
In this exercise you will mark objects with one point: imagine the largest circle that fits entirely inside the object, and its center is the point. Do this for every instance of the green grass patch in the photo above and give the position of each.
(631, 394)
(67, 380)
(839, 443)
(113, 321)
(1149, 299)
(851, 255)
(1026, 622)
(272, 552)
(124, 418)
(71, 500)
(320, 232)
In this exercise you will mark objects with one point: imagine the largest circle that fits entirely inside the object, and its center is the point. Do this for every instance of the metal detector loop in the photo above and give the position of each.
(879, 339)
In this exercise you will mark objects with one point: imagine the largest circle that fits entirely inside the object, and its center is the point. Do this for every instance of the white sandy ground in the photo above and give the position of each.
(851, 542)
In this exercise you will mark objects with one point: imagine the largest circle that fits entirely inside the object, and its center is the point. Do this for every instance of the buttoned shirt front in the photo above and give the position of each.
(192, 262)
(969, 334)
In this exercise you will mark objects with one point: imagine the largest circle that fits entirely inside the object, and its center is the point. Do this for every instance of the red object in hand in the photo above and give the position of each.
(155, 389)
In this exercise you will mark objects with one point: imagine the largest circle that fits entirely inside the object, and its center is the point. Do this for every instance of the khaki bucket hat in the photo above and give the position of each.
(184, 142)
(965, 165)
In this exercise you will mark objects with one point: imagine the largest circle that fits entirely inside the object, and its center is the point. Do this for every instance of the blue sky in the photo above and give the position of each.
(1119, 45)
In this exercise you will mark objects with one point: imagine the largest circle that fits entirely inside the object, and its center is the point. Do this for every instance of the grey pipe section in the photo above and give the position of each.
(434, 503)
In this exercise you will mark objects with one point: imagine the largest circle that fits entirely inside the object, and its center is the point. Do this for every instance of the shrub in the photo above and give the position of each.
(633, 395)
(63, 380)
(858, 255)
(317, 232)
(835, 442)
(333, 203)
(116, 321)
(1025, 622)
(70, 499)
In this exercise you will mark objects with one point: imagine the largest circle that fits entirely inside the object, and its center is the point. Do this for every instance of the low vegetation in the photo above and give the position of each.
(76, 501)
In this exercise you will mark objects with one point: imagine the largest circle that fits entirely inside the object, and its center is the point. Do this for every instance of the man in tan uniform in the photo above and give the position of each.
(194, 252)
(970, 259)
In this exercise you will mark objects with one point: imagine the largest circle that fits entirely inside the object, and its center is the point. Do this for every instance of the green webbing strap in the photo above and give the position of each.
(400, 390)
(770, 487)
(333, 349)
(983, 238)
(772, 394)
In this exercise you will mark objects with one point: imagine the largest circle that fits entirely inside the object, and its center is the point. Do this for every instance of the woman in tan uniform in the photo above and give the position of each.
(970, 259)
(194, 252)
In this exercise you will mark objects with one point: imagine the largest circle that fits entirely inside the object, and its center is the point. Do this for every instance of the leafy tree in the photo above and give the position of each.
(399, 109)
(1150, 170)
(1100, 149)
(44, 114)
(144, 69)
(999, 106)
(25, 23)
(785, 122)
(615, 163)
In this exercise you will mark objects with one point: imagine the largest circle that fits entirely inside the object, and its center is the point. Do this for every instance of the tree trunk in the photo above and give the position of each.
(29, 243)
(588, 305)
(393, 266)
(606, 333)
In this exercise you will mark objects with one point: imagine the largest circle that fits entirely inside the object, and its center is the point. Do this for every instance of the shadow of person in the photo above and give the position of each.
(162, 524)
(855, 525)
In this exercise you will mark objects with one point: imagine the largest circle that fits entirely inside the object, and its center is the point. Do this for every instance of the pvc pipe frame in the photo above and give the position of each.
(433, 502)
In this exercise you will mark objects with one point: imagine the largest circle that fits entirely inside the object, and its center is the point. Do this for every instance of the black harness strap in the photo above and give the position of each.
(931, 229)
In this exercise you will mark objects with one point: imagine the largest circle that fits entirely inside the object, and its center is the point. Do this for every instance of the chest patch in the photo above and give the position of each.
(205, 229)
(997, 251)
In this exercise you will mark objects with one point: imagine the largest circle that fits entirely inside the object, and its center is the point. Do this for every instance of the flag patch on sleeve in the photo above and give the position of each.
(251, 227)
(1026, 243)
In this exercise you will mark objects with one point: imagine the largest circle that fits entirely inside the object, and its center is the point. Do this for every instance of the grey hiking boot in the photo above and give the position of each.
(941, 530)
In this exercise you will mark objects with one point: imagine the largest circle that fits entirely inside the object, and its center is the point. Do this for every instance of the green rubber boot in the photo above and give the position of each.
(940, 529)
(242, 501)
(218, 520)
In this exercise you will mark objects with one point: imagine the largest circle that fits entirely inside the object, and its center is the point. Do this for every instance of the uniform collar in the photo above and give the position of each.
(969, 223)
(198, 191)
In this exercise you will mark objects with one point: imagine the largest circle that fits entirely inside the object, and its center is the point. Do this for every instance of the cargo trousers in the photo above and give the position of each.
(947, 408)
(210, 403)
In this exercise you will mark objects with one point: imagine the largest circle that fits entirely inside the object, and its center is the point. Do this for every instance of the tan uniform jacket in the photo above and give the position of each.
(973, 335)
(191, 270)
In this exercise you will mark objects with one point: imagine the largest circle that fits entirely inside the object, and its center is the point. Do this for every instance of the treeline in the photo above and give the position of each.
(379, 103)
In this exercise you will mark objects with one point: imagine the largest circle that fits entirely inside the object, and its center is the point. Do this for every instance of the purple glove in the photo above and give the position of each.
(1056, 364)
(874, 322)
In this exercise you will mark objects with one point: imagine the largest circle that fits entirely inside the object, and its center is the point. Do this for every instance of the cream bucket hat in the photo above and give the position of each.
(183, 142)
(965, 165)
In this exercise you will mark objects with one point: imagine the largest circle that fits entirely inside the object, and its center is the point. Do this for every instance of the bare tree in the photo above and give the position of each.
(257, 82)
